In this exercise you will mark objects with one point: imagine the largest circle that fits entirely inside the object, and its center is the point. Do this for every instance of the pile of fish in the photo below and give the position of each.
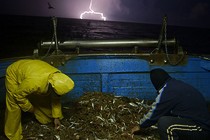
(95, 116)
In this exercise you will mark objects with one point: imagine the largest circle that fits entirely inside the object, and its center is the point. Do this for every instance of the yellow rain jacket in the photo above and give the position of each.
(27, 84)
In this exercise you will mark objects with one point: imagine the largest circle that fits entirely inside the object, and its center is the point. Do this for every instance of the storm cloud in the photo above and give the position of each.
(179, 12)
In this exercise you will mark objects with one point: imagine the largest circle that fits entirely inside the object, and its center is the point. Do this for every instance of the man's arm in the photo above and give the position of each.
(56, 110)
(24, 89)
(162, 106)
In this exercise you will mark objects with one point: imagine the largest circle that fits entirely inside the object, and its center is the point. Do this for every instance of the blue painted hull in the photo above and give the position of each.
(123, 76)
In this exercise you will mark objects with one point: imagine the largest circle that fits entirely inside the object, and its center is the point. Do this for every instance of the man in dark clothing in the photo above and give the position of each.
(179, 110)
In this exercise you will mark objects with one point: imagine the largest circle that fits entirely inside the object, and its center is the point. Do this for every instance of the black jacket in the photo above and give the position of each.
(179, 99)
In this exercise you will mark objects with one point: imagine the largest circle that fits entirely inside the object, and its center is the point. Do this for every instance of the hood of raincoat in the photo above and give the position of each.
(61, 83)
(159, 77)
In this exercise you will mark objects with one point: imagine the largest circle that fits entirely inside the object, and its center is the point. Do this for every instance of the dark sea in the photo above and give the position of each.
(20, 35)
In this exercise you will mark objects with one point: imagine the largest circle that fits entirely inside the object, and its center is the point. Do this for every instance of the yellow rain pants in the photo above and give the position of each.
(26, 85)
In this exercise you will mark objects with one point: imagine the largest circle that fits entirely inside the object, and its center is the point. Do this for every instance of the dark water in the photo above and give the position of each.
(20, 35)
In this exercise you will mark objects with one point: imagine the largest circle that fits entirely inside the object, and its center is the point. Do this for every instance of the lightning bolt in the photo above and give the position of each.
(92, 12)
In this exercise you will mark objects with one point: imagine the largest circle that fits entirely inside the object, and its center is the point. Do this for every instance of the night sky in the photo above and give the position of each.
(194, 13)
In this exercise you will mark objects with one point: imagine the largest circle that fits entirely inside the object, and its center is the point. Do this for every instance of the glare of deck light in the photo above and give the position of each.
(92, 12)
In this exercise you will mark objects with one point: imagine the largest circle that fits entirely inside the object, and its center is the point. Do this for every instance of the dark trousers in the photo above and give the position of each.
(176, 128)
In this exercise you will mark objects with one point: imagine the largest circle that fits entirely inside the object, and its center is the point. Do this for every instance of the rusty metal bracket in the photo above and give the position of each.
(161, 54)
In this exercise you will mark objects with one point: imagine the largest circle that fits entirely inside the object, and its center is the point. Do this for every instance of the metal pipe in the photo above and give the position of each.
(113, 54)
(106, 43)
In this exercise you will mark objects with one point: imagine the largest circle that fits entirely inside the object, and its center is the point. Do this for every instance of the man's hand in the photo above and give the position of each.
(135, 129)
(57, 124)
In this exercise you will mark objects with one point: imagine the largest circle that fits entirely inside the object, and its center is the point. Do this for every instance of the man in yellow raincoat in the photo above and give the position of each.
(33, 86)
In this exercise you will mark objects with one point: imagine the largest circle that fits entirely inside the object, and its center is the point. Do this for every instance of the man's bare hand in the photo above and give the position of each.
(135, 129)
(57, 124)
